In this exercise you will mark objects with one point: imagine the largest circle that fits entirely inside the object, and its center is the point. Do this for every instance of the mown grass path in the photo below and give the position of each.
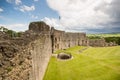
(100, 63)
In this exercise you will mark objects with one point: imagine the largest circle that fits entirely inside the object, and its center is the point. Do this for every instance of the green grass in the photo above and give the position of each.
(94, 63)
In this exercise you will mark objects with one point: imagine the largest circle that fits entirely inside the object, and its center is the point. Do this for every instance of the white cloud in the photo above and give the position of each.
(53, 23)
(16, 27)
(1, 16)
(9, 1)
(27, 8)
(36, 0)
(84, 14)
(34, 17)
(18, 2)
(1, 10)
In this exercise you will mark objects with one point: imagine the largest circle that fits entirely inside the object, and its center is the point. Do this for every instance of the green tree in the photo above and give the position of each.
(10, 32)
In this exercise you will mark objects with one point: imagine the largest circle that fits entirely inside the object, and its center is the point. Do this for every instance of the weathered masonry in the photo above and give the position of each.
(62, 40)
(27, 57)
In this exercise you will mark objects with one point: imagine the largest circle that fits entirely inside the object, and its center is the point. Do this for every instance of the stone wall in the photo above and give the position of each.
(41, 53)
(41, 50)
(26, 57)
(62, 40)
(15, 61)
(97, 42)
(100, 43)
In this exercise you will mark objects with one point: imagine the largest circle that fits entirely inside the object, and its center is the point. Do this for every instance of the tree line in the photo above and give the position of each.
(11, 33)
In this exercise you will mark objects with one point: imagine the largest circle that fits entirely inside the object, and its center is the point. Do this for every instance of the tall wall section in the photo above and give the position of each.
(26, 57)
(42, 49)
(41, 53)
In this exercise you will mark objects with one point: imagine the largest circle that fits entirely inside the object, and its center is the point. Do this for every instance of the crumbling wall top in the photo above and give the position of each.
(39, 26)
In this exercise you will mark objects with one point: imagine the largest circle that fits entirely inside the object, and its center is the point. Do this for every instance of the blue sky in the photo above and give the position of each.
(90, 16)
(12, 15)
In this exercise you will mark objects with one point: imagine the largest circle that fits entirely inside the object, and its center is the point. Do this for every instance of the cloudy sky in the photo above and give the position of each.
(90, 16)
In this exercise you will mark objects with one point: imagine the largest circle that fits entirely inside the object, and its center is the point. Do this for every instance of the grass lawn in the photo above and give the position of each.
(94, 63)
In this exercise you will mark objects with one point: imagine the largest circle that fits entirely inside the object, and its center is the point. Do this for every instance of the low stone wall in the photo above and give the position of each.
(100, 43)
(97, 42)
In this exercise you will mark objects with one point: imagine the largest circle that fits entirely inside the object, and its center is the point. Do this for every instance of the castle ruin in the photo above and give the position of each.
(27, 57)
